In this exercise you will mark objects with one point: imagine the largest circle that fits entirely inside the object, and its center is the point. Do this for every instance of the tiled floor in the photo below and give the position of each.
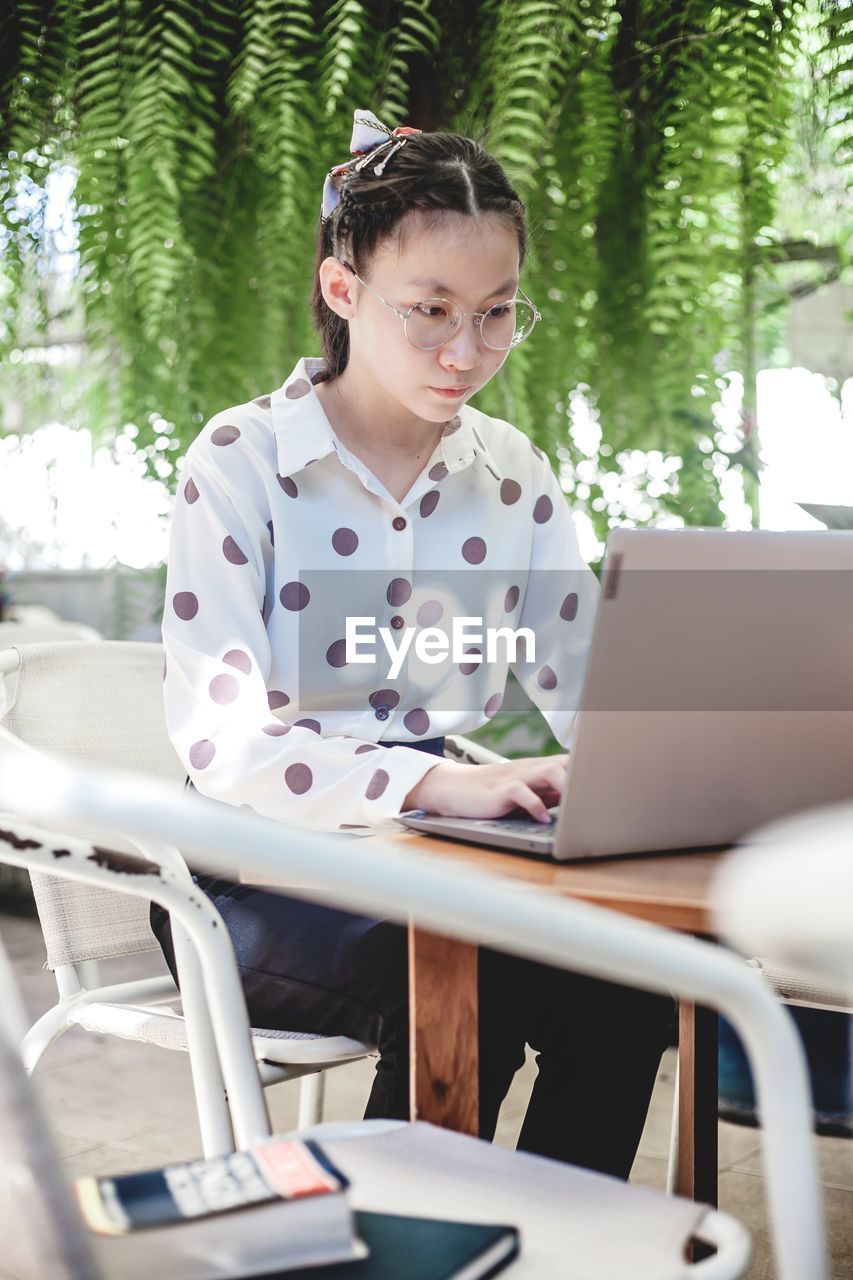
(118, 1106)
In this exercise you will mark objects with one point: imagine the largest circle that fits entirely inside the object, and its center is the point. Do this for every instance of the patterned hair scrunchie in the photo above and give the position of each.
(369, 136)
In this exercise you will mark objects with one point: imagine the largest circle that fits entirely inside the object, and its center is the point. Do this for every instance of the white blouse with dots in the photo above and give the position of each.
(280, 533)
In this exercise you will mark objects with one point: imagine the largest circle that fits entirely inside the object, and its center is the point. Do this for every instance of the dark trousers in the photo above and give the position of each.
(310, 967)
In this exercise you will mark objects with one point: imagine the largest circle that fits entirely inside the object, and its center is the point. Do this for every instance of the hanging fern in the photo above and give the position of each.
(526, 58)
(838, 34)
(338, 67)
(645, 136)
(414, 31)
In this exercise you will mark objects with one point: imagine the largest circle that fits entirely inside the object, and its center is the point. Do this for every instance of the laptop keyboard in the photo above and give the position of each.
(519, 826)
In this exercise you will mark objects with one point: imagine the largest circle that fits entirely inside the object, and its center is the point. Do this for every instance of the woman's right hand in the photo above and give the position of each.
(455, 790)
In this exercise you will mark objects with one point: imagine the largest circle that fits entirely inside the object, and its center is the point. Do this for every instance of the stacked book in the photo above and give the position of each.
(281, 1209)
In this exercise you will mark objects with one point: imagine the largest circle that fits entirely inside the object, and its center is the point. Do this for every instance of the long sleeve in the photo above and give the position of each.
(559, 608)
(230, 728)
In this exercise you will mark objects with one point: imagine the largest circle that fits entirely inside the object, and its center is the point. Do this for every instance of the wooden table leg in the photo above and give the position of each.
(697, 1104)
(443, 1050)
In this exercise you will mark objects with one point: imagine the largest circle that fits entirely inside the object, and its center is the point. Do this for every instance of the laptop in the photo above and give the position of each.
(832, 515)
(718, 696)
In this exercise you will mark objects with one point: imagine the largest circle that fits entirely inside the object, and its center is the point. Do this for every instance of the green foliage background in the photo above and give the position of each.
(645, 136)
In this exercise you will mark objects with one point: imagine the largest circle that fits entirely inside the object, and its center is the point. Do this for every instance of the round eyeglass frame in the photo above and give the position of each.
(478, 316)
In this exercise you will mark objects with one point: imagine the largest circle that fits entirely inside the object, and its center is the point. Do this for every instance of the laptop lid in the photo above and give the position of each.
(719, 690)
(832, 515)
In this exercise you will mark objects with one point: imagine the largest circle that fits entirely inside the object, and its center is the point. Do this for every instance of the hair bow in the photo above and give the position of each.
(369, 136)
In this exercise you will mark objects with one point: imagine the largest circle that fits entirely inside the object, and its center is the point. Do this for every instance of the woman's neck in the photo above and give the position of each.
(363, 419)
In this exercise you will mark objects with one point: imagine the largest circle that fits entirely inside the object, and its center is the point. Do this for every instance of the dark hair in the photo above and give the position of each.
(434, 173)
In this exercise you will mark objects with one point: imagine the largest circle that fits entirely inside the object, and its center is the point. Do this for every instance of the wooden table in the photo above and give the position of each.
(671, 890)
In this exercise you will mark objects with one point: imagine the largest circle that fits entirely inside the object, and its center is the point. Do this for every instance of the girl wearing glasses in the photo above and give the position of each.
(366, 492)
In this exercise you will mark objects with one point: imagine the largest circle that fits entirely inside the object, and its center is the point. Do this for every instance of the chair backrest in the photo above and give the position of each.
(787, 895)
(98, 702)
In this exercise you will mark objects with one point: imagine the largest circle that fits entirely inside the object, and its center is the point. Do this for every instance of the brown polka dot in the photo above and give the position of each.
(366, 746)
(538, 452)
(416, 721)
(294, 596)
(232, 552)
(429, 502)
(225, 435)
(429, 613)
(399, 591)
(377, 785)
(453, 425)
(276, 699)
(201, 753)
(298, 389)
(344, 541)
(353, 826)
(474, 550)
(263, 402)
(569, 607)
(543, 510)
(493, 705)
(521, 649)
(276, 729)
(313, 725)
(336, 654)
(438, 472)
(240, 659)
(271, 531)
(223, 689)
(492, 472)
(299, 778)
(191, 491)
(266, 610)
(468, 668)
(384, 698)
(185, 604)
(288, 485)
(510, 492)
(510, 599)
(546, 679)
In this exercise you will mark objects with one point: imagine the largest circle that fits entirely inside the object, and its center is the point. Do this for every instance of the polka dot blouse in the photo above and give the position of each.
(282, 539)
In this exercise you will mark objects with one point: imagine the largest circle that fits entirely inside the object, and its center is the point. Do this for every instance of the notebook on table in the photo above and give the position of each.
(420, 1249)
(718, 696)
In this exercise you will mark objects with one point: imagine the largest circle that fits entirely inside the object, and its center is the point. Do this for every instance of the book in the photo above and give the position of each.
(832, 515)
(421, 1249)
(279, 1206)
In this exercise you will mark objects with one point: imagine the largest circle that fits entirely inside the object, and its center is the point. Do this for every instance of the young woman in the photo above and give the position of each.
(366, 491)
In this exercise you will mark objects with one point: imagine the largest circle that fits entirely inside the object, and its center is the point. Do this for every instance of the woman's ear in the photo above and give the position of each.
(338, 286)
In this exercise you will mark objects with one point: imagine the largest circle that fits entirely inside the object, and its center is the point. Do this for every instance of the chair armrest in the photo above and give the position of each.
(73, 858)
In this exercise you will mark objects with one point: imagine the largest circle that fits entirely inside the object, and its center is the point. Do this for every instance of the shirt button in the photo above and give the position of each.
(382, 713)
(399, 522)
(397, 622)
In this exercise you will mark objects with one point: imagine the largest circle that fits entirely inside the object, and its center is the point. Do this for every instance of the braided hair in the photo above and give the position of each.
(434, 173)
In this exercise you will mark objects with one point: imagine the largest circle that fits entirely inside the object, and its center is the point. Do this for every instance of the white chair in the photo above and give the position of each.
(33, 624)
(574, 1224)
(788, 895)
(790, 985)
(103, 703)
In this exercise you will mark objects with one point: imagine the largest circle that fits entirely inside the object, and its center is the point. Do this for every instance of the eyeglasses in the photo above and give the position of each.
(433, 321)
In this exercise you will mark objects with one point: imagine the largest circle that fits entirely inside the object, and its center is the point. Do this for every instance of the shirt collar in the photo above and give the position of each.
(301, 428)
(303, 434)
